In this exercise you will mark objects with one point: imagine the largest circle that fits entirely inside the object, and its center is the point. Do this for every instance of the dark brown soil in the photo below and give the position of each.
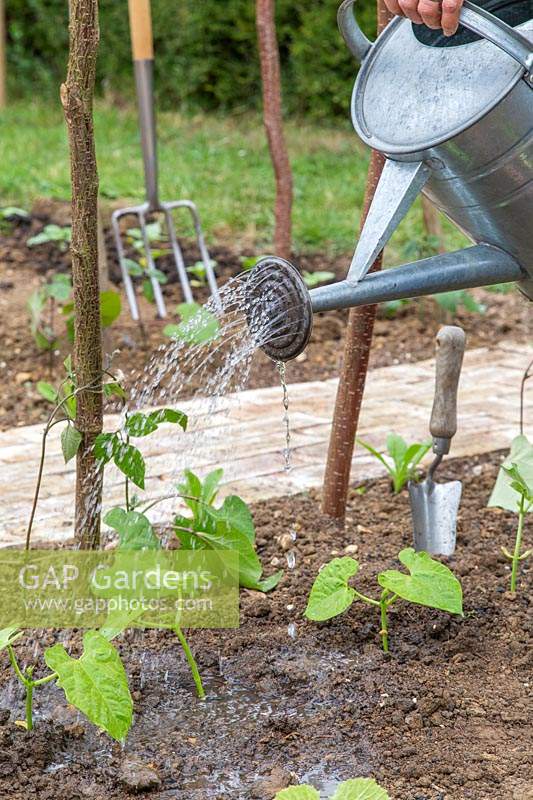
(443, 717)
(407, 337)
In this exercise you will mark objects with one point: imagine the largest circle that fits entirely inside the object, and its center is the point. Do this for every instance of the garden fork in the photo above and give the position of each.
(143, 61)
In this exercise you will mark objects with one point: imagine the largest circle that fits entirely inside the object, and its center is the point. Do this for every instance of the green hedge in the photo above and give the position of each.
(206, 53)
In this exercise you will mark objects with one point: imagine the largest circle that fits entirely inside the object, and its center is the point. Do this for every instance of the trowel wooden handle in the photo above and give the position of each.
(449, 359)
(141, 30)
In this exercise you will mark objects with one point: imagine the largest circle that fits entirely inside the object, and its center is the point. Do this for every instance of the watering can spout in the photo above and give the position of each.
(480, 265)
(280, 308)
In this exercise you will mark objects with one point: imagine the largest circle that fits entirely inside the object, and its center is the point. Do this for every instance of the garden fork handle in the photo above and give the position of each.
(143, 63)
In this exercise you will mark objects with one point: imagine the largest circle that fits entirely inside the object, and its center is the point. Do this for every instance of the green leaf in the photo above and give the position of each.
(134, 269)
(130, 462)
(198, 325)
(234, 513)
(304, 792)
(104, 447)
(59, 288)
(206, 490)
(8, 636)
(430, 583)
(397, 448)
(312, 279)
(10, 212)
(376, 454)
(95, 683)
(330, 594)
(148, 292)
(114, 389)
(267, 584)
(139, 424)
(170, 415)
(110, 307)
(521, 454)
(118, 621)
(134, 529)
(360, 789)
(70, 442)
(519, 483)
(47, 391)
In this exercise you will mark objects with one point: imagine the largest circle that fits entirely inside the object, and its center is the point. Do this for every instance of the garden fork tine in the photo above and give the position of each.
(143, 60)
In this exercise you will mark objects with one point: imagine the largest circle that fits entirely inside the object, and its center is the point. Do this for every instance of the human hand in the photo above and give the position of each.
(432, 13)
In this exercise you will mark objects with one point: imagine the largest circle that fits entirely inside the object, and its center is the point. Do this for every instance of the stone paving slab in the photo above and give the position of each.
(245, 436)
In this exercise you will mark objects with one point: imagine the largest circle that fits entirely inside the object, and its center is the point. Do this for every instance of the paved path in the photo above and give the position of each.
(246, 437)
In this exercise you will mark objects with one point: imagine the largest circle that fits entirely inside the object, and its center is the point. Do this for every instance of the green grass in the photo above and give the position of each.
(220, 163)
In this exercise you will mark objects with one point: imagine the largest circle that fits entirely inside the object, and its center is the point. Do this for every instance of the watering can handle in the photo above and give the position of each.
(357, 42)
(472, 17)
(449, 360)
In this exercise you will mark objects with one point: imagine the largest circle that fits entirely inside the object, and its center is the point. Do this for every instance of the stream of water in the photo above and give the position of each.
(211, 372)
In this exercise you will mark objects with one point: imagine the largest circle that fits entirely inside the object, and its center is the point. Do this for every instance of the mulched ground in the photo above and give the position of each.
(407, 337)
(443, 717)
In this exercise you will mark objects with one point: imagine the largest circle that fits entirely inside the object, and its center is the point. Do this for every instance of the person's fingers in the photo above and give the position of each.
(409, 8)
(450, 16)
(394, 7)
(430, 11)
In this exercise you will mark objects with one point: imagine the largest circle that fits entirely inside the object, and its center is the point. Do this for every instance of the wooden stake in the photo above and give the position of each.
(354, 367)
(432, 222)
(77, 99)
(273, 121)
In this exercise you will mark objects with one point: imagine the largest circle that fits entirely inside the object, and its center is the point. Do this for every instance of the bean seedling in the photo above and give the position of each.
(404, 459)
(229, 527)
(429, 583)
(57, 292)
(514, 491)
(61, 235)
(95, 683)
(356, 789)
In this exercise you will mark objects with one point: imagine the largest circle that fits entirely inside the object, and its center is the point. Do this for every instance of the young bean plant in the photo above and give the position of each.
(95, 683)
(356, 789)
(60, 235)
(429, 583)
(140, 268)
(514, 491)
(228, 527)
(57, 294)
(403, 459)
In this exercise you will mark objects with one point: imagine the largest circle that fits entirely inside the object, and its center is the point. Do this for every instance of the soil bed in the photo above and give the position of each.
(443, 717)
(409, 336)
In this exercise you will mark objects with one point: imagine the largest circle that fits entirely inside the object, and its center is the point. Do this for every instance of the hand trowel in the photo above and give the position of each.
(434, 506)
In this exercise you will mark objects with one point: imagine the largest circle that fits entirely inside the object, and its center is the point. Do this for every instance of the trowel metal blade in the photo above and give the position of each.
(434, 508)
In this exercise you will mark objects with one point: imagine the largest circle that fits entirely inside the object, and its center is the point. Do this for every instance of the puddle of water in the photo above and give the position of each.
(170, 714)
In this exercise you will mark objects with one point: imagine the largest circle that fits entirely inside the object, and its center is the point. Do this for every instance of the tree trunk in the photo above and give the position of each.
(354, 368)
(77, 99)
(273, 120)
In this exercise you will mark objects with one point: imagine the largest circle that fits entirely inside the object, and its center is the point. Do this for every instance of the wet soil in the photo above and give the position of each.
(443, 717)
(408, 336)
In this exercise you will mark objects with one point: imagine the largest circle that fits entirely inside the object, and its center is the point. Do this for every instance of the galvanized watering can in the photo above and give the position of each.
(455, 119)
